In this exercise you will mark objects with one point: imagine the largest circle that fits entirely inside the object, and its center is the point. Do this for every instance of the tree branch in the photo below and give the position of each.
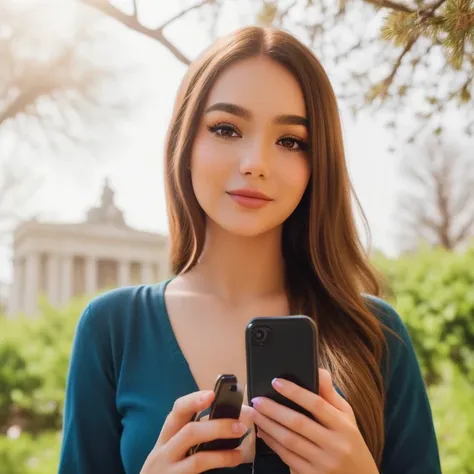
(132, 22)
(465, 231)
(22, 101)
(462, 201)
(155, 33)
(282, 15)
(135, 8)
(430, 10)
(442, 210)
(442, 201)
(418, 175)
(184, 12)
(400, 7)
(387, 82)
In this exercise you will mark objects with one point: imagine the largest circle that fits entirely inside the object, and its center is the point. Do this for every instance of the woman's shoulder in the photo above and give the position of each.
(115, 308)
(410, 441)
(391, 320)
(399, 355)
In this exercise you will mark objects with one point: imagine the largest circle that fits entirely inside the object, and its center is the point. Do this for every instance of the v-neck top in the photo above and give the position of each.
(126, 370)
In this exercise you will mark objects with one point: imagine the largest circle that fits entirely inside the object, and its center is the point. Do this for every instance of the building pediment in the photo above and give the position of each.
(64, 259)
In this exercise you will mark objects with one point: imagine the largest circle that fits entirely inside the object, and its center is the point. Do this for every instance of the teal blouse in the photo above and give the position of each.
(126, 370)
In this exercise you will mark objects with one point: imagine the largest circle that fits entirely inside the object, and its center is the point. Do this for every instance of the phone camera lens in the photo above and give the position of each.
(233, 388)
(260, 335)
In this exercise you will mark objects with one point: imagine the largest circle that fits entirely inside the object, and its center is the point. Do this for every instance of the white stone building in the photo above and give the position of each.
(63, 260)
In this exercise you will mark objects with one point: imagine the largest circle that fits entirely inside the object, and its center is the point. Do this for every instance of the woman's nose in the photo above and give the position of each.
(255, 161)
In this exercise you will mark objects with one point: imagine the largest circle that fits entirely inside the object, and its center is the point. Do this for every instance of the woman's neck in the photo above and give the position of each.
(237, 268)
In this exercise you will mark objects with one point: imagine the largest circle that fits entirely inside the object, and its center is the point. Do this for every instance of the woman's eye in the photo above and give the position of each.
(293, 144)
(223, 130)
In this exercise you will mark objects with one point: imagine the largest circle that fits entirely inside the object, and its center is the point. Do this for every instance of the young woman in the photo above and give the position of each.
(261, 224)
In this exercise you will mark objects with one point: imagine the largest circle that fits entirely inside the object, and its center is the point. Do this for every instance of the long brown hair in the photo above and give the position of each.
(327, 269)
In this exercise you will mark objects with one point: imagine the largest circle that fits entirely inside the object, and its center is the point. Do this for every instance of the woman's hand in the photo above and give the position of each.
(248, 443)
(179, 434)
(332, 444)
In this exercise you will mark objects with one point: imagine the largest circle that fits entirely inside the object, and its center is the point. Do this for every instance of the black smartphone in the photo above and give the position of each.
(285, 347)
(227, 404)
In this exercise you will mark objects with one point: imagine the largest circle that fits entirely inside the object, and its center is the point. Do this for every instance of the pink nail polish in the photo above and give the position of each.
(277, 383)
(256, 402)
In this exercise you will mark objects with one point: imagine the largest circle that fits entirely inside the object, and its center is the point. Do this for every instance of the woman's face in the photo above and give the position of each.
(249, 162)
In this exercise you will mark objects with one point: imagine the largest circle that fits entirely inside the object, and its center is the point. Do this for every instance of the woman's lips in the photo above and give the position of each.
(250, 199)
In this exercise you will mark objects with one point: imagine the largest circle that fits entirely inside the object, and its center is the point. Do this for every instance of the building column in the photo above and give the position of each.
(157, 272)
(32, 267)
(14, 303)
(91, 275)
(66, 278)
(53, 279)
(146, 273)
(123, 277)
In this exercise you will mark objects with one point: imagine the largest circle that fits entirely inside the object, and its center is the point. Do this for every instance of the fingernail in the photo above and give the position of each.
(277, 383)
(239, 428)
(256, 401)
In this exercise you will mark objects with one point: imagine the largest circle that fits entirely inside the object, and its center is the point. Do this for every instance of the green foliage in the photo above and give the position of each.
(401, 28)
(458, 23)
(420, 45)
(452, 25)
(453, 412)
(434, 293)
(34, 355)
(432, 290)
(29, 454)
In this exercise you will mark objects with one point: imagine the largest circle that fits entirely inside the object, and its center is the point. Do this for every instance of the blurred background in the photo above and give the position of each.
(86, 93)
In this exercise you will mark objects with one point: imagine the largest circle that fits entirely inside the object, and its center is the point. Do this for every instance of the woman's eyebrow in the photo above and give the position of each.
(233, 109)
(239, 111)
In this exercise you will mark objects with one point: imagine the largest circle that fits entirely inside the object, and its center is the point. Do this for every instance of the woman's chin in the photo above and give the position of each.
(246, 230)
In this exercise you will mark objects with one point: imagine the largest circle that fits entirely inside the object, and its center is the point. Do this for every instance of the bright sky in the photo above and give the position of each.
(132, 156)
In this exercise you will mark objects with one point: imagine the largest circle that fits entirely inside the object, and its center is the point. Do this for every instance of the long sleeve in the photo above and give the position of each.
(410, 444)
(92, 425)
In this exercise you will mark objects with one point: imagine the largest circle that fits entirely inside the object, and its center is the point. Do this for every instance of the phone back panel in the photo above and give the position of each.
(227, 404)
(284, 347)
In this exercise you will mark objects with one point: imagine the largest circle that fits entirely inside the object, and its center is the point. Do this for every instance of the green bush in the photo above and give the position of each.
(453, 412)
(433, 291)
(34, 356)
(29, 454)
